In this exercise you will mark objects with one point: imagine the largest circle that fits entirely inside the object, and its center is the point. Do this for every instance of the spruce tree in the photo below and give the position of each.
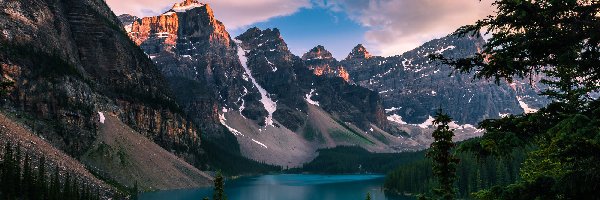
(17, 174)
(54, 193)
(135, 191)
(8, 172)
(28, 178)
(444, 161)
(368, 196)
(66, 189)
(42, 183)
(219, 190)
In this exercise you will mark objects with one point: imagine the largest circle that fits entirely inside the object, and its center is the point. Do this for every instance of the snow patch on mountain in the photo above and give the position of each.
(268, 103)
(392, 109)
(396, 118)
(260, 143)
(102, 118)
(309, 96)
(525, 107)
(222, 119)
(445, 49)
(427, 123)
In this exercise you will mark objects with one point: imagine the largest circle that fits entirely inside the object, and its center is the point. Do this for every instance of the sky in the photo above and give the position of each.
(384, 27)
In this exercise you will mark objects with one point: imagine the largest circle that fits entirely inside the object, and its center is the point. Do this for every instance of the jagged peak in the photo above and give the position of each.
(359, 52)
(318, 52)
(187, 5)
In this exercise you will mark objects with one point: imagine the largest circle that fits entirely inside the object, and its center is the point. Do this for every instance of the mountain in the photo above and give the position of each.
(322, 63)
(253, 95)
(70, 63)
(413, 87)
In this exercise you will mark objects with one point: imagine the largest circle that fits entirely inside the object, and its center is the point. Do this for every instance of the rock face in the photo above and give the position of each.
(201, 61)
(322, 63)
(413, 87)
(69, 60)
(290, 83)
(196, 54)
(252, 86)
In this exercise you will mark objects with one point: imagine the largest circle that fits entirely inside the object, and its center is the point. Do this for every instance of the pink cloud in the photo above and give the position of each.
(233, 13)
(397, 26)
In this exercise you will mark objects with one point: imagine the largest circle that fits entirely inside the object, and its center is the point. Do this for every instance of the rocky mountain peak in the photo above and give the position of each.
(318, 52)
(359, 52)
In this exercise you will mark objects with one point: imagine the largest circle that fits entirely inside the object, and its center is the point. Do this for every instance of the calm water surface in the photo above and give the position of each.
(289, 187)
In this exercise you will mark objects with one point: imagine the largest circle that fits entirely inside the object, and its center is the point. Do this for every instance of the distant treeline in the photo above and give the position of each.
(473, 174)
(348, 160)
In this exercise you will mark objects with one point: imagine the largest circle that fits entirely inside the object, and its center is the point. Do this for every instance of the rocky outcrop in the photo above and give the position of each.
(292, 85)
(322, 63)
(413, 87)
(200, 60)
(69, 60)
(359, 52)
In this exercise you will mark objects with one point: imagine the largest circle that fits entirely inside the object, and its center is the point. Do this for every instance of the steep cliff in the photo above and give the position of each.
(252, 88)
(70, 60)
(196, 54)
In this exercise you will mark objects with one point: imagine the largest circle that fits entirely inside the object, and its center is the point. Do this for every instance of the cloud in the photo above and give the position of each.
(397, 26)
(234, 14)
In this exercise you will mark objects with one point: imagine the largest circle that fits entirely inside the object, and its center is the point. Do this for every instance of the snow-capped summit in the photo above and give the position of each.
(187, 5)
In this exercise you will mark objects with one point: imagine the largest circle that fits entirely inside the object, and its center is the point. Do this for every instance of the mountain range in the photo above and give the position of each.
(100, 87)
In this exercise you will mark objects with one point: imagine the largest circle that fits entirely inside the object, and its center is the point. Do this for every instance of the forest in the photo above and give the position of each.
(559, 42)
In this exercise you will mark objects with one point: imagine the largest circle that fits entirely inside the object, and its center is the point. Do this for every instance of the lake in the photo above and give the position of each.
(288, 187)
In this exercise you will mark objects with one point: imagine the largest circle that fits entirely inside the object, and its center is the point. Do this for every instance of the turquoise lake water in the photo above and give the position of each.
(288, 187)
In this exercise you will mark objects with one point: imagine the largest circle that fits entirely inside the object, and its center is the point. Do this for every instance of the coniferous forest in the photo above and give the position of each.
(554, 150)
(20, 179)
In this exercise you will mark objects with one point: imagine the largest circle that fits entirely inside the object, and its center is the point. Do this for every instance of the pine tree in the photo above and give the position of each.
(444, 167)
(17, 174)
(368, 196)
(28, 178)
(54, 193)
(219, 191)
(75, 189)
(66, 189)
(8, 172)
(42, 183)
(135, 191)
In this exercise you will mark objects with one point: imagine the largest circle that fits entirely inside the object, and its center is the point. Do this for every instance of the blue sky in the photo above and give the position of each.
(384, 27)
(309, 27)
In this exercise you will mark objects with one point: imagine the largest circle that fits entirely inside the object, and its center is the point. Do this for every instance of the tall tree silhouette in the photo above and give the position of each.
(219, 191)
(444, 161)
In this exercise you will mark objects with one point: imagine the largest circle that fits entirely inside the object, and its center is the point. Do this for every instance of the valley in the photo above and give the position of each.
(162, 104)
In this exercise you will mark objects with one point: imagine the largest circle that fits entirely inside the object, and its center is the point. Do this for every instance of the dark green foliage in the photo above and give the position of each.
(8, 173)
(444, 161)
(4, 86)
(33, 184)
(368, 196)
(54, 193)
(473, 174)
(559, 39)
(220, 156)
(135, 191)
(345, 160)
(41, 183)
(219, 190)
